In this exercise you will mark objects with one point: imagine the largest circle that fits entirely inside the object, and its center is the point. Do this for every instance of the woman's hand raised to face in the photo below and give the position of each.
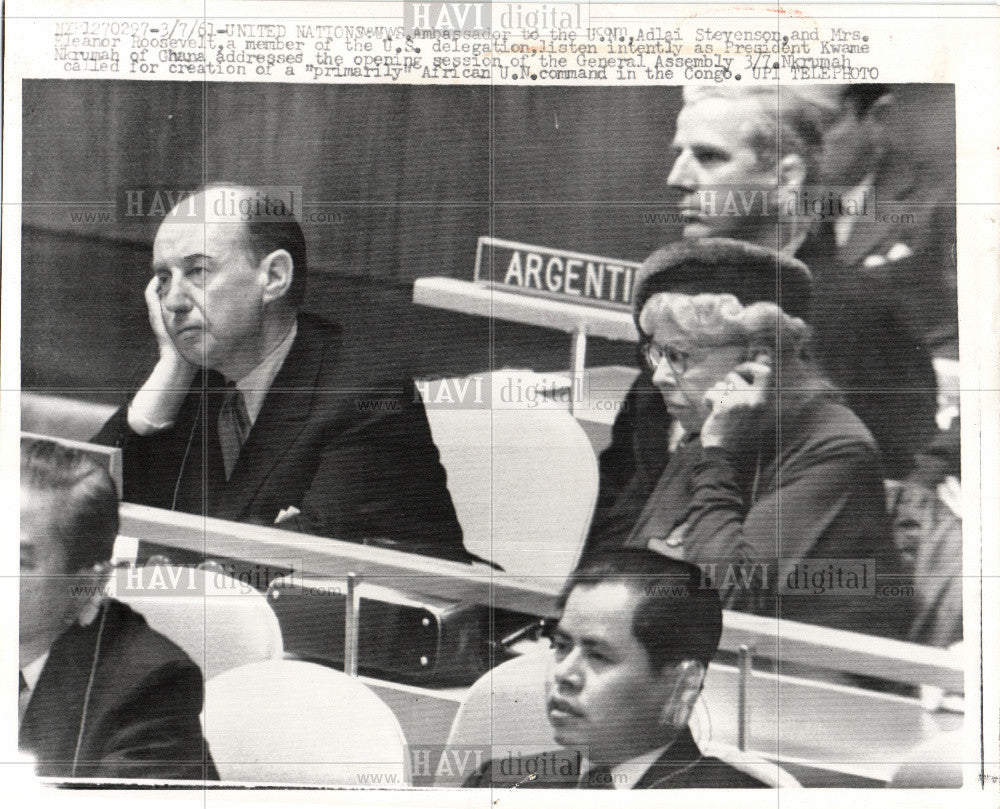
(737, 403)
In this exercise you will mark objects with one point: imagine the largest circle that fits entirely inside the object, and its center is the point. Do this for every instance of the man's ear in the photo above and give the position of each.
(676, 710)
(792, 172)
(277, 270)
(879, 111)
(90, 584)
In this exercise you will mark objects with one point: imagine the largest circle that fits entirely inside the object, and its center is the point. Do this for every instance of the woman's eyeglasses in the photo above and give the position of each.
(677, 360)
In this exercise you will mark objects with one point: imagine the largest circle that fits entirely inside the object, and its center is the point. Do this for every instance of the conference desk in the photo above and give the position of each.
(789, 642)
(576, 319)
(821, 727)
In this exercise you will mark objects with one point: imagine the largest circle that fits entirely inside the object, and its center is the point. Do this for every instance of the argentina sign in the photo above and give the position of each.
(553, 273)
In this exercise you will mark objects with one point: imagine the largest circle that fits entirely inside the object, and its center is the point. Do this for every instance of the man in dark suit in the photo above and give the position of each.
(745, 166)
(636, 633)
(909, 244)
(101, 694)
(248, 416)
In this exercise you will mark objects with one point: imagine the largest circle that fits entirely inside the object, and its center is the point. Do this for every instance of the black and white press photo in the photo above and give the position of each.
(391, 422)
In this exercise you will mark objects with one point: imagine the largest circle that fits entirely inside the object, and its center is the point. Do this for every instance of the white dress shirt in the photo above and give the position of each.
(30, 673)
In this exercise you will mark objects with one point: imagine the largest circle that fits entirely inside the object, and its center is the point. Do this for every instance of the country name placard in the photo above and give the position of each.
(553, 273)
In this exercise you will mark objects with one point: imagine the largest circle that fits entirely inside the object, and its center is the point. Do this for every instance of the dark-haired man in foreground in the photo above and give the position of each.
(248, 415)
(101, 694)
(634, 640)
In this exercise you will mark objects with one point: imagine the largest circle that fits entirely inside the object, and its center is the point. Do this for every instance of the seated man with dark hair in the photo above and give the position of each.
(251, 413)
(635, 637)
(101, 694)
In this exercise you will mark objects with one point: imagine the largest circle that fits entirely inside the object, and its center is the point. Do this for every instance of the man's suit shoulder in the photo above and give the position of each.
(131, 636)
(342, 370)
(703, 772)
(714, 773)
(110, 694)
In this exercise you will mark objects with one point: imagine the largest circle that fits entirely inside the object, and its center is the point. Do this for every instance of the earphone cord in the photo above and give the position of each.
(90, 686)
(187, 450)
(756, 477)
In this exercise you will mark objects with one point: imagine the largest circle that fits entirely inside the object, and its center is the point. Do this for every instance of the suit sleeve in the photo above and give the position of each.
(150, 464)
(821, 510)
(380, 480)
(156, 731)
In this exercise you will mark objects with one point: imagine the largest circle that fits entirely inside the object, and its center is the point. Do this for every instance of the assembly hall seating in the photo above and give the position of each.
(508, 465)
(288, 722)
(821, 732)
(806, 725)
(221, 623)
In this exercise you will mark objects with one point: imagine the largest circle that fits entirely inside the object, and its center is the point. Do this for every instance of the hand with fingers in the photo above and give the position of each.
(155, 405)
(737, 403)
(168, 351)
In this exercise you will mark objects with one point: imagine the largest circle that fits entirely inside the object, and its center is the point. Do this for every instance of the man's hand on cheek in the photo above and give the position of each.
(154, 310)
(157, 402)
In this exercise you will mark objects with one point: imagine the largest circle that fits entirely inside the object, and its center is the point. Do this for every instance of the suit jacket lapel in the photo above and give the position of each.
(282, 417)
(894, 183)
(53, 714)
(680, 755)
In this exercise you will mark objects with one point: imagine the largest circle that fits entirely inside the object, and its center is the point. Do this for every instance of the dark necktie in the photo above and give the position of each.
(597, 778)
(234, 424)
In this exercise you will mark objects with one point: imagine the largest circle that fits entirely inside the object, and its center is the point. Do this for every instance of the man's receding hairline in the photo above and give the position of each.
(173, 219)
(744, 128)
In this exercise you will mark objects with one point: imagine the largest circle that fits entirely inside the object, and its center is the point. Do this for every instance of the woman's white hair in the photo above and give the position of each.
(718, 319)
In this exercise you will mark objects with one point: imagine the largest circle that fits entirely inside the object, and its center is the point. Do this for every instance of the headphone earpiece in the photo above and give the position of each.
(670, 712)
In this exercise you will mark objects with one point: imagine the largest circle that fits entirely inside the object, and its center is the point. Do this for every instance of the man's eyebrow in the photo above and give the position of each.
(587, 641)
(594, 643)
(189, 260)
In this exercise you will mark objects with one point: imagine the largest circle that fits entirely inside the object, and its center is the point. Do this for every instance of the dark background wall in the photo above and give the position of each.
(407, 177)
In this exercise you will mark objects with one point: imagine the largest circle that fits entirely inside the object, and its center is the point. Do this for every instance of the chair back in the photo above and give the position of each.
(523, 480)
(298, 723)
(220, 622)
(63, 416)
(933, 764)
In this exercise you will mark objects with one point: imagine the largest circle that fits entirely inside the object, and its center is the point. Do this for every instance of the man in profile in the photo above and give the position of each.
(101, 694)
(248, 415)
(636, 634)
(774, 142)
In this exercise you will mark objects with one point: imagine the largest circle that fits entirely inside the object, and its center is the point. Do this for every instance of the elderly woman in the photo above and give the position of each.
(773, 486)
